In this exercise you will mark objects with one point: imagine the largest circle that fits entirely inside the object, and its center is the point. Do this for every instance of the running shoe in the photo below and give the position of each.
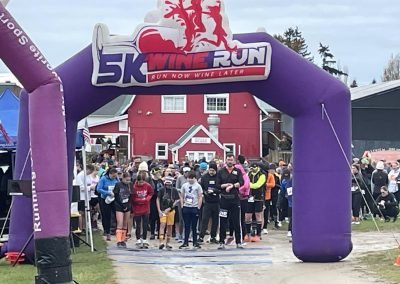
(162, 246)
(289, 234)
(139, 242)
(239, 246)
(395, 218)
(152, 237)
(213, 241)
(119, 245)
(230, 241)
(168, 247)
(123, 245)
(197, 246)
(108, 238)
(277, 225)
(265, 232)
(184, 246)
(200, 241)
(221, 246)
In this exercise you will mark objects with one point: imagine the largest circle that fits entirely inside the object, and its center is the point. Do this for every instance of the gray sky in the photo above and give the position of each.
(362, 34)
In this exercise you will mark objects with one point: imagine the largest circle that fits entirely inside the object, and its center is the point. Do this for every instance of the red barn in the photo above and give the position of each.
(175, 127)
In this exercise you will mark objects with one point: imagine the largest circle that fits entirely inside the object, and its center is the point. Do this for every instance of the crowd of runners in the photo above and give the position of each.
(217, 202)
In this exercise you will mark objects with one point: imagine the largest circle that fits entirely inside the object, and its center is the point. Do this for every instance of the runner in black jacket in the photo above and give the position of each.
(211, 204)
(229, 180)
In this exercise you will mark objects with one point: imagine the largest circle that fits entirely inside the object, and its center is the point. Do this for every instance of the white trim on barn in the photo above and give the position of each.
(189, 138)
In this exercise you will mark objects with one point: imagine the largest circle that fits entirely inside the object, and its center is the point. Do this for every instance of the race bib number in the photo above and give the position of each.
(189, 200)
(223, 213)
(251, 199)
(289, 191)
(235, 173)
(111, 188)
(212, 182)
(125, 200)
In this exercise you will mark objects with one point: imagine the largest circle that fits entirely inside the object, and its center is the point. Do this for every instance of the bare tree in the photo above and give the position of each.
(392, 69)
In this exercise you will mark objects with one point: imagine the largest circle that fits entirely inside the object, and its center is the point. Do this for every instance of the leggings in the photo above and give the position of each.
(106, 212)
(356, 203)
(190, 217)
(211, 210)
(141, 226)
(232, 208)
(266, 213)
(274, 202)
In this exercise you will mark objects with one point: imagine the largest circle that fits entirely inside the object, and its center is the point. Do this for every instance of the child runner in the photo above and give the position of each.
(142, 193)
(191, 200)
(167, 199)
(122, 193)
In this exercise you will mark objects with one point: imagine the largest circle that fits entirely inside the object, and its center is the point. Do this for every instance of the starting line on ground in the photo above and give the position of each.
(196, 263)
(207, 256)
(184, 255)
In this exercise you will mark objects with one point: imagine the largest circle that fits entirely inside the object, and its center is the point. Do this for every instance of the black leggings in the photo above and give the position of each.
(290, 218)
(274, 202)
(210, 210)
(154, 218)
(266, 213)
(356, 203)
(106, 213)
(233, 209)
(141, 226)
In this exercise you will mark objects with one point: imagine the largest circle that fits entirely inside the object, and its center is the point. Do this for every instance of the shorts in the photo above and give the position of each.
(126, 207)
(254, 207)
(169, 219)
(81, 206)
(94, 201)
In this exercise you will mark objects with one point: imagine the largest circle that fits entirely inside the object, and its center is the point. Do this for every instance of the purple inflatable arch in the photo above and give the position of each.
(159, 59)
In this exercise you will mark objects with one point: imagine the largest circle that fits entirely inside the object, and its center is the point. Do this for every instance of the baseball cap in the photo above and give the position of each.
(186, 169)
(203, 166)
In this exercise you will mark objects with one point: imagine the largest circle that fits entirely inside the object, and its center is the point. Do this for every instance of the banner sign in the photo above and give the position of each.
(190, 44)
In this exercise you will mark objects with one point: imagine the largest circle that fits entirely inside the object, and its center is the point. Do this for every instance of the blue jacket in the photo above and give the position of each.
(103, 186)
(285, 193)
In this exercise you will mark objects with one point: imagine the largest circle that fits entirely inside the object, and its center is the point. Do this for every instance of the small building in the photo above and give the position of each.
(376, 124)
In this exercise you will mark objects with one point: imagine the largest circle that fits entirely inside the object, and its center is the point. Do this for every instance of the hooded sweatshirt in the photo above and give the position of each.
(244, 190)
(142, 193)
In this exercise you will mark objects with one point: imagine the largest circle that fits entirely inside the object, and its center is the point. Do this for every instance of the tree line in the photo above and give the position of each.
(293, 38)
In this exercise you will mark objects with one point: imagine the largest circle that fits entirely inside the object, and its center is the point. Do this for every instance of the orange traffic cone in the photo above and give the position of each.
(397, 262)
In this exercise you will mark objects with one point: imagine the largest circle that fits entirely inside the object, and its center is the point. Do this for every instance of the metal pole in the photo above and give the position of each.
(89, 234)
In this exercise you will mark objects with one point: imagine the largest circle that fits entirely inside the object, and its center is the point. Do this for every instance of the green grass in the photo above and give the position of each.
(381, 264)
(87, 267)
(369, 225)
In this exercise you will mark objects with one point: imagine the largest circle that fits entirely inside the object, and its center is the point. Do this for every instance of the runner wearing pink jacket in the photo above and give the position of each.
(244, 193)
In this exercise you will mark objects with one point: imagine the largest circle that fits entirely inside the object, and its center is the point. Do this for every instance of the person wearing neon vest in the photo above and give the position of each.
(255, 202)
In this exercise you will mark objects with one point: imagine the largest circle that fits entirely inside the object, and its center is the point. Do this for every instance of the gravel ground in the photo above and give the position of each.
(270, 261)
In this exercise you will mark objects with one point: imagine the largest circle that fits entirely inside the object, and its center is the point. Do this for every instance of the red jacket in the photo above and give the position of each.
(141, 199)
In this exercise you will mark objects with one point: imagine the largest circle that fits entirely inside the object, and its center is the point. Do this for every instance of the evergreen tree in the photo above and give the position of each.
(354, 84)
(293, 38)
(328, 62)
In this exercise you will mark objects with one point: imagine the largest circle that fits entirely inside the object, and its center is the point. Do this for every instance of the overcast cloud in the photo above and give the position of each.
(362, 34)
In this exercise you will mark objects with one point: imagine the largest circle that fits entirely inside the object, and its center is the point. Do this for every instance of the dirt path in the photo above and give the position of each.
(273, 263)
